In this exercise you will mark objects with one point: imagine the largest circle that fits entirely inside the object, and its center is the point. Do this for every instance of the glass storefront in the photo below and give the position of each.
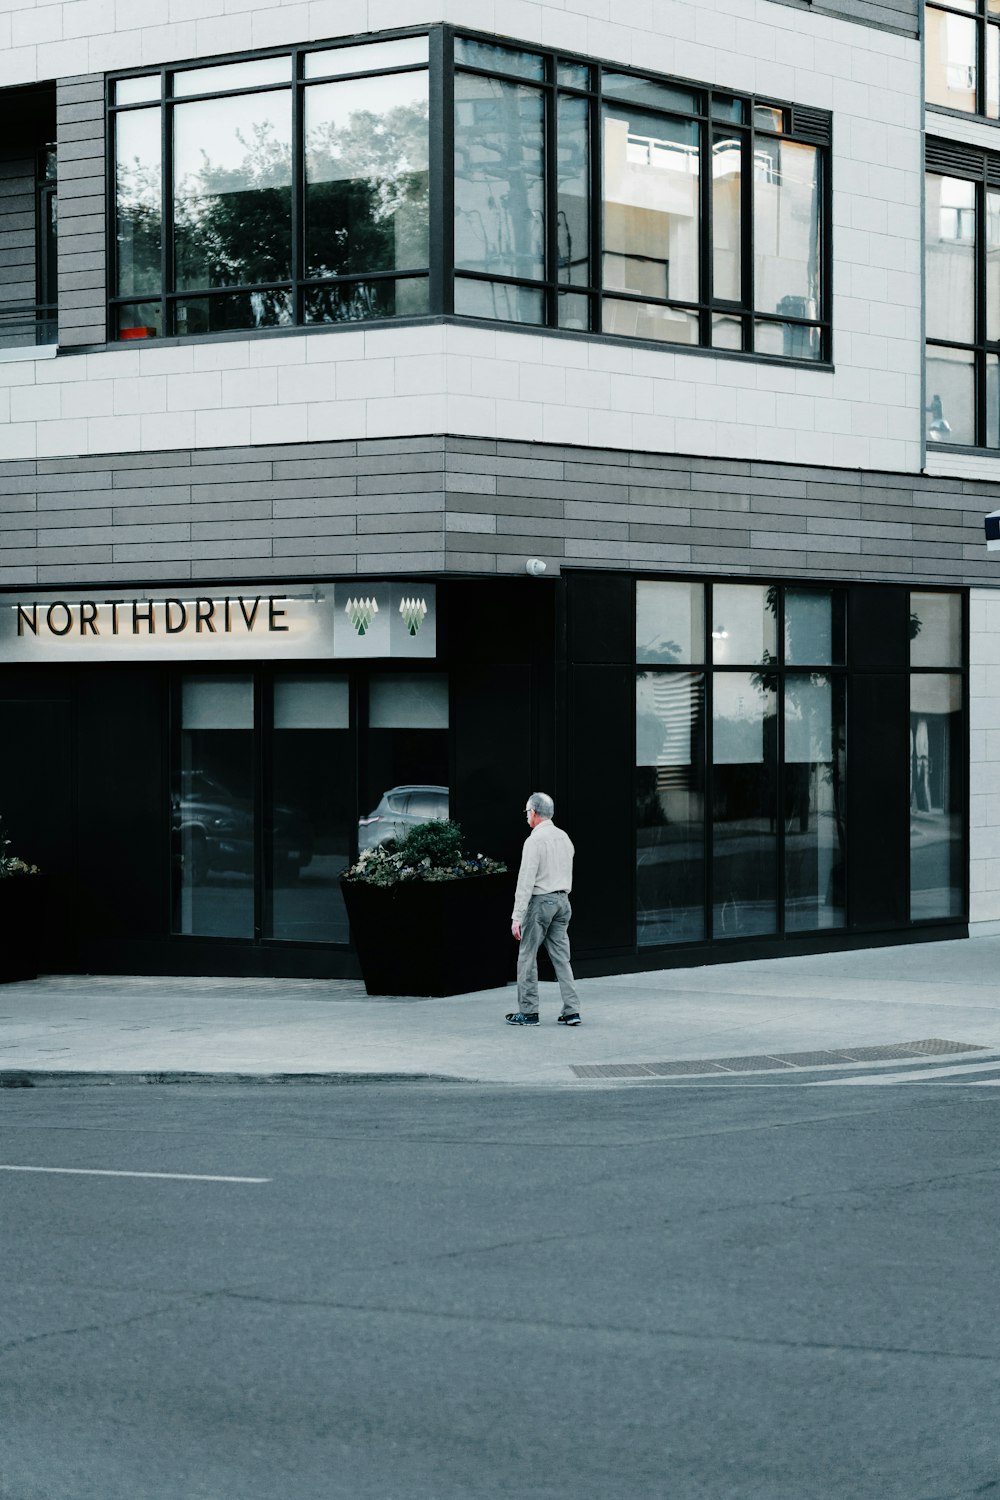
(740, 776)
(937, 777)
(309, 823)
(273, 793)
(744, 740)
(742, 755)
(212, 807)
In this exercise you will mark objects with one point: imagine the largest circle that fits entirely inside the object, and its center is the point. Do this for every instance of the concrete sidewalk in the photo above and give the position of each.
(751, 1011)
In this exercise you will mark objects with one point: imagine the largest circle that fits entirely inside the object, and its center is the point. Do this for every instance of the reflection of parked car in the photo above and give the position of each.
(215, 830)
(399, 810)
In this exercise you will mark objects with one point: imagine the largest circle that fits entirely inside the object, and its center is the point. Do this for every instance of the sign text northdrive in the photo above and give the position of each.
(91, 617)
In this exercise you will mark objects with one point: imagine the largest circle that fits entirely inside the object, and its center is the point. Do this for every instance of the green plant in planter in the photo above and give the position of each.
(428, 919)
(11, 864)
(427, 852)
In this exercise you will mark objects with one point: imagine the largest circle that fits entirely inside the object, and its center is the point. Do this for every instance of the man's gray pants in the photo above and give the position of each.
(546, 921)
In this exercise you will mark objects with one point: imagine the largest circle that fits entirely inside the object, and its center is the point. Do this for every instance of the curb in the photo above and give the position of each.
(30, 1079)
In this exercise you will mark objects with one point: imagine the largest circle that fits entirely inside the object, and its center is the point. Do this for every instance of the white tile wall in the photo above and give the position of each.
(468, 381)
(984, 763)
(590, 394)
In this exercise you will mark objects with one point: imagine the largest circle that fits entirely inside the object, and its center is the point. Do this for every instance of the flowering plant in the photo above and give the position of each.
(428, 851)
(10, 864)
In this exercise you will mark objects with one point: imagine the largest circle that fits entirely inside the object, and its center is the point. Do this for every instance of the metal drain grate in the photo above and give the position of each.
(935, 1047)
(777, 1061)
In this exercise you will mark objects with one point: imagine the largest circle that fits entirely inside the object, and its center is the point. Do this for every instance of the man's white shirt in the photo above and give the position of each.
(546, 865)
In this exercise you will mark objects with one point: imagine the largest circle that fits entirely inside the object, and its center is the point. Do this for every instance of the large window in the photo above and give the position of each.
(277, 782)
(962, 241)
(743, 769)
(319, 186)
(962, 56)
(937, 756)
(740, 752)
(711, 207)
(289, 189)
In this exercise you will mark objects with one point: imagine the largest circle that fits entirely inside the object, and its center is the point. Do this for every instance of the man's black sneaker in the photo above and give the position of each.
(572, 1019)
(517, 1018)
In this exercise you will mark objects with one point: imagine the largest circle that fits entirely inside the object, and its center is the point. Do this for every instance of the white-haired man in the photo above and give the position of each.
(542, 913)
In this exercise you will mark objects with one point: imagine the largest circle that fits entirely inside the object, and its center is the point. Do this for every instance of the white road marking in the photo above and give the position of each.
(102, 1172)
(919, 1075)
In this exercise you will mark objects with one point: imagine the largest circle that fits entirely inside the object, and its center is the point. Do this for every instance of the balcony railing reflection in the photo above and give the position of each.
(23, 325)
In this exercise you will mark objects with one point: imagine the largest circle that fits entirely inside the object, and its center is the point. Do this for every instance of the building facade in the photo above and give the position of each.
(404, 406)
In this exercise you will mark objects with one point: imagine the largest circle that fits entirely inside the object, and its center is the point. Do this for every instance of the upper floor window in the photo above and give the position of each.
(962, 239)
(299, 188)
(962, 56)
(709, 221)
(289, 189)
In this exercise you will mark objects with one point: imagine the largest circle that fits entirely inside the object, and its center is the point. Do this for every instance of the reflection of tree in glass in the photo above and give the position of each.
(366, 193)
(664, 650)
(366, 207)
(232, 225)
(498, 178)
(138, 229)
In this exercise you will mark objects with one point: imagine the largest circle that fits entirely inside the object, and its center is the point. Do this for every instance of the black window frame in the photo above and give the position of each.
(960, 670)
(983, 19)
(799, 125)
(847, 672)
(297, 283)
(982, 169)
(777, 670)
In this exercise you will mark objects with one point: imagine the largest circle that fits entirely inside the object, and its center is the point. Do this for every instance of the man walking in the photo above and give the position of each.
(542, 913)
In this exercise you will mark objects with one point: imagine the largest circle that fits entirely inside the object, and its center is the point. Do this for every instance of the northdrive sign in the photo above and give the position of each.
(257, 623)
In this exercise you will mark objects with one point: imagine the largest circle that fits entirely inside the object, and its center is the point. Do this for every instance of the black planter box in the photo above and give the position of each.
(438, 937)
(20, 927)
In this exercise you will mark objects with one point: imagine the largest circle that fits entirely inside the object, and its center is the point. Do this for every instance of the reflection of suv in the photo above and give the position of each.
(215, 830)
(399, 810)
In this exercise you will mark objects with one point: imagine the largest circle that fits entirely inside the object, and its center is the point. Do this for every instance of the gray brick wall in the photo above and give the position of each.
(17, 248)
(474, 506)
(80, 132)
(888, 15)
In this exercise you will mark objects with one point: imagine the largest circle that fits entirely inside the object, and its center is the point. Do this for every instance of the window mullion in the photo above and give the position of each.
(981, 325)
(551, 198)
(441, 145)
(597, 204)
(167, 304)
(706, 278)
(298, 256)
(747, 235)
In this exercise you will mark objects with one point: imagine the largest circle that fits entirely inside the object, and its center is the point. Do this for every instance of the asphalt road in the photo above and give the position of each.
(447, 1292)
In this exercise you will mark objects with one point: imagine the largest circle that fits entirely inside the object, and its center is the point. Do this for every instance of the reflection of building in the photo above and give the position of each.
(329, 337)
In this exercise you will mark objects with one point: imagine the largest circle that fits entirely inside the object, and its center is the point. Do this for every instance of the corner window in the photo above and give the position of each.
(709, 225)
(299, 189)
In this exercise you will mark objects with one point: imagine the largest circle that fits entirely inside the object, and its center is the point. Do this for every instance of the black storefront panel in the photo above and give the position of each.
(38, 799)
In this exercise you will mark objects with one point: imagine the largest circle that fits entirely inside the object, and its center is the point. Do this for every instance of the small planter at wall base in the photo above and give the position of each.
(434, 937)
(20, 927)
